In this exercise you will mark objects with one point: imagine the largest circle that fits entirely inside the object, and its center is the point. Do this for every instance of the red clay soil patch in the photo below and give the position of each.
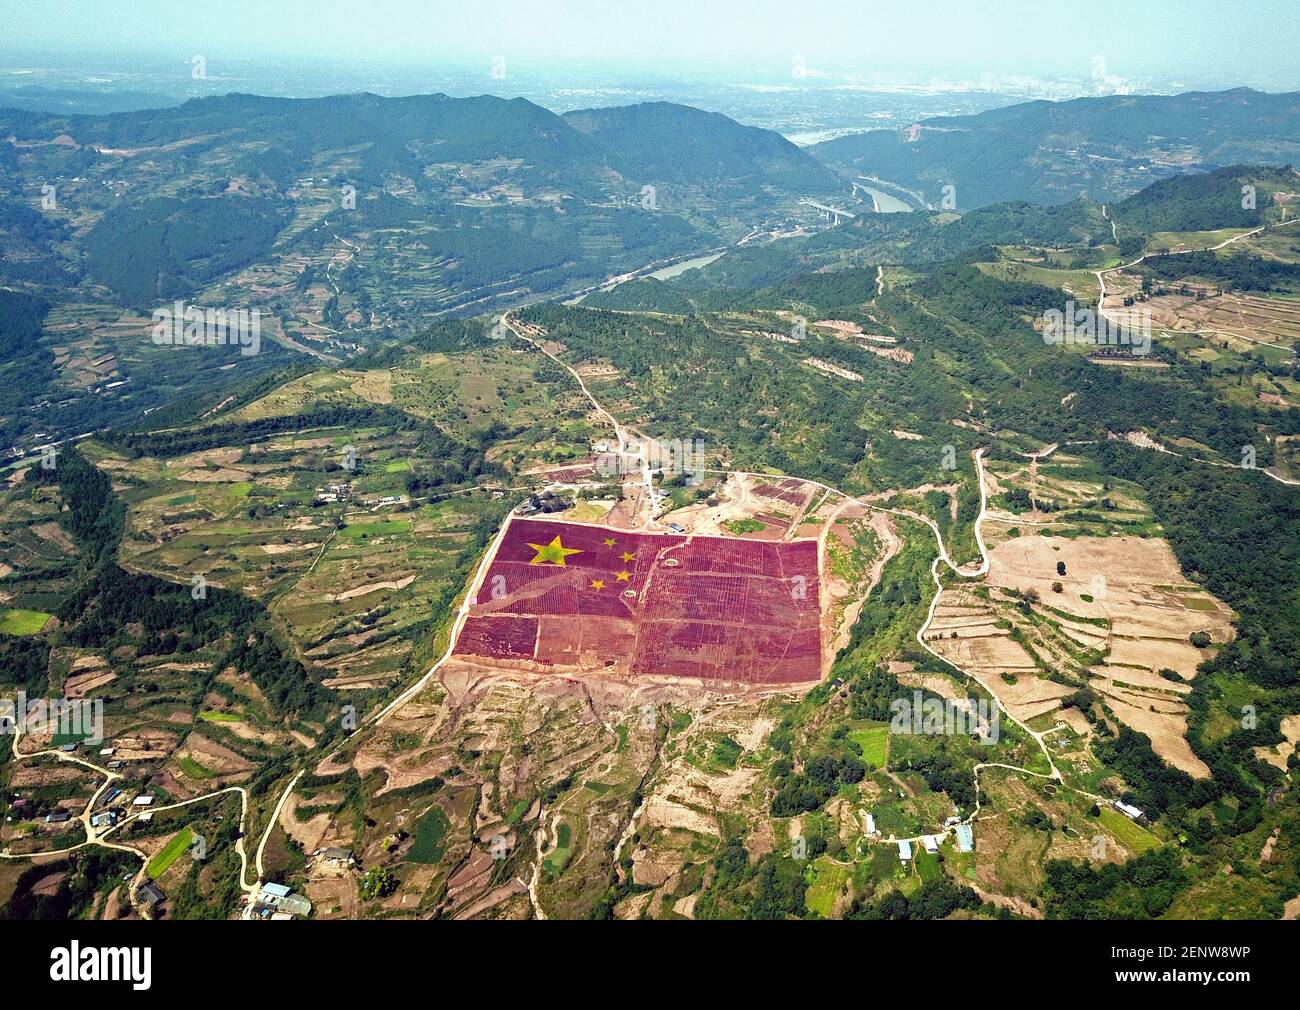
(580, 469)
(790, 491)
(561, 594)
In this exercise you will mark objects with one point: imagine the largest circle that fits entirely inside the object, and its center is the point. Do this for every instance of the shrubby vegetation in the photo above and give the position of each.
(91, 874)
(1233, 273)
(1142, 888)
(1195, 202)
(773, 887)
(937, 899)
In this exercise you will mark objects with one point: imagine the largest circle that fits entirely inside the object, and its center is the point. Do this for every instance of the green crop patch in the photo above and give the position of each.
(874, 741)
(23, 622)
(430, 836)
(169, 853)
(1131, 835)
(828, 883)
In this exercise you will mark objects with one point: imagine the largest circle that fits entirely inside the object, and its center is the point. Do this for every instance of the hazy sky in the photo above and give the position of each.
(1188, 41)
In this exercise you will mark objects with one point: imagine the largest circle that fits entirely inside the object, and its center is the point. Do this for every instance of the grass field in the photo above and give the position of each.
(927, 865)
(430, 831)
(193, 769)
(23, 622)
(874, 741)
(589, 511)
(555, 863)
(739, 526)
(220, 717)
(1131, 834)
(1080, 283)
(169, 853)
(827, 884)
(1165, 240)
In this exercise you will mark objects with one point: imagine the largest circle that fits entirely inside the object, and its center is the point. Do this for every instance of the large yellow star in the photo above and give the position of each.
(597, 584)
(554, 553)
(623, 576)
(610, 541)
(628, 557)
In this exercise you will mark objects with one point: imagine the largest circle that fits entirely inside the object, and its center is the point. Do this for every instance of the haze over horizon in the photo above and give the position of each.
(815, 45)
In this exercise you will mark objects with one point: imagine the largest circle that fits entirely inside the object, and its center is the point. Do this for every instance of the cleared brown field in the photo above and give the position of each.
(1130, 583)
(1252, 317)
(1123, 612)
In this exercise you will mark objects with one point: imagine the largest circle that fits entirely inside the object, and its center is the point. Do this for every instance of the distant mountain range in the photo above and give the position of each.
(654, 143)
(1053, 152)
(351, 219)
(435, 205)
(682, 145)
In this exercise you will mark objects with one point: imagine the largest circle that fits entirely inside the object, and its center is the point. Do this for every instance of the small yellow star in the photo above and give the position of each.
(597, 584)
(554, 552)
(623, 576)
(628, 557)
(610, 541)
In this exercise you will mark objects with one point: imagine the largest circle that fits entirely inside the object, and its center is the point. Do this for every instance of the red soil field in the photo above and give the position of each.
(792, 492)
(651, 604)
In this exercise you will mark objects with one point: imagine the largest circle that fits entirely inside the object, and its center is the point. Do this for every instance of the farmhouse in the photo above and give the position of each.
(930, 842)
(277, 901)
(1129, 811)
(965, 838)
(336, 856)
(904, 850)
(150, 894)
(294, 904)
